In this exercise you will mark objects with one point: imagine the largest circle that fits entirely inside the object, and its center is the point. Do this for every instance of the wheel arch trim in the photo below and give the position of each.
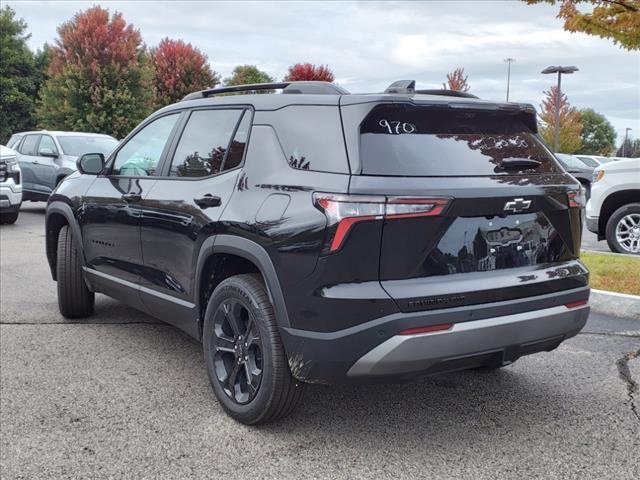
(252, 252)
(63, 209)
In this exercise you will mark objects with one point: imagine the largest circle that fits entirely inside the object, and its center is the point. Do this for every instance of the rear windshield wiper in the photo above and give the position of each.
(516, 163)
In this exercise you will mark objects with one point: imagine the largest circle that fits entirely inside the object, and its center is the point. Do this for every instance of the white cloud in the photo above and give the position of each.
(369, 45)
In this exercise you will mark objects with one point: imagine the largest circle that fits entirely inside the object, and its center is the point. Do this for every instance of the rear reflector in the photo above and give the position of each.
(579, 303)
(429, 329)
(343, 211)
(577, 198)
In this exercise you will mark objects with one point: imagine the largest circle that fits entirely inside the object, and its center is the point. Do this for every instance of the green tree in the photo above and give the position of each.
(618, 20)
(247, 74)
(100, 77)
(42, 60)
(598, 135)
(18, 83)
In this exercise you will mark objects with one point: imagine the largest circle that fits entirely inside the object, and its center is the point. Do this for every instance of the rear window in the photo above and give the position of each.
(404, 140)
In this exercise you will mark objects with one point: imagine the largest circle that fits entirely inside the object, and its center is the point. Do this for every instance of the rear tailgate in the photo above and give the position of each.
(505, 232)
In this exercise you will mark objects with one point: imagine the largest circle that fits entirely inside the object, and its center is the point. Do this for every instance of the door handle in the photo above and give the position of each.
(36, 162)
(208, 201)
(131, 197)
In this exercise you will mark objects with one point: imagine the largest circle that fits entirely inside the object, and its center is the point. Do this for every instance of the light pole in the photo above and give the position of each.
(509, 61)
(624, 144)
(559, 70)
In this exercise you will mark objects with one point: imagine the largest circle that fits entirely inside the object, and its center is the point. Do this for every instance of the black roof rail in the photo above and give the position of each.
(313, 88)
(447, 93)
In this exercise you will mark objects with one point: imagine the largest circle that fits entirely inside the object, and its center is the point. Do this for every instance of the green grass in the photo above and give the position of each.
(617, 273)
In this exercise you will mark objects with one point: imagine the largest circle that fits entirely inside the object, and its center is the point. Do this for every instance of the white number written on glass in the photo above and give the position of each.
(395, 127)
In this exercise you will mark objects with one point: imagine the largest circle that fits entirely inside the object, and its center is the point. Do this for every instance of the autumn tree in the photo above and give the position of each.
(456, 81)
(18, 77)
(618, 20)
(598, 135)
(246, 74)
(569, 134)
(100, 77)
(179, 69)
(309, 71)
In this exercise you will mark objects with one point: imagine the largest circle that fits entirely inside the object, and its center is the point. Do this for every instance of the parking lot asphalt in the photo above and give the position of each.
(125, 396)
(590, 242)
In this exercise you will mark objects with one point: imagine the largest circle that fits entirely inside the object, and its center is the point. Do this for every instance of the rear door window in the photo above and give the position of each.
(29, 145)
(239, 143)
(405, 140)
(204, 143)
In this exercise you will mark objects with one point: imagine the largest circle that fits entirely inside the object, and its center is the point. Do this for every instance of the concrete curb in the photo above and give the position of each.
(614, 254)
(616, 304)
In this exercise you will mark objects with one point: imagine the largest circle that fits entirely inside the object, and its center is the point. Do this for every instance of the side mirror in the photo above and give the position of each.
(47, 152)
(90, 163)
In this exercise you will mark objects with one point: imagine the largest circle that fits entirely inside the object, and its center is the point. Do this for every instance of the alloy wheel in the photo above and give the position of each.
(628, 232)
(238, 351)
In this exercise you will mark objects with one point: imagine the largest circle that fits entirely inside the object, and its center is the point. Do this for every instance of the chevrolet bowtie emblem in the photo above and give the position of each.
(517, 205)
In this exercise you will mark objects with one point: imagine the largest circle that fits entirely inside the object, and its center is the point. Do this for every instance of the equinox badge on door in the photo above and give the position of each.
(517, 205)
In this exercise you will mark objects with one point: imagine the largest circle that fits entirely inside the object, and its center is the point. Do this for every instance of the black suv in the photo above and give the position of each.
(322, 237)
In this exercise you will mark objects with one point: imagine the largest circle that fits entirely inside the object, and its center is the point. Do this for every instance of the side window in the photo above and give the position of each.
(312, 138)
(47, 145)
(203, 145)
(239, 143)
(140, 156)
(28, 146)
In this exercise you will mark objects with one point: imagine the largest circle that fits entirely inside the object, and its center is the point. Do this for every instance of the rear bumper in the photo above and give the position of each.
(481, 335)
(493, 341)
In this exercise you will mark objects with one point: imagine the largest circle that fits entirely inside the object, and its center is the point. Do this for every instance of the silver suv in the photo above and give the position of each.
(47, 157)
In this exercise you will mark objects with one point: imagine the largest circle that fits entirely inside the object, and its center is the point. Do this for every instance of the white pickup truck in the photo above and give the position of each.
(10, 186)
(613, 211)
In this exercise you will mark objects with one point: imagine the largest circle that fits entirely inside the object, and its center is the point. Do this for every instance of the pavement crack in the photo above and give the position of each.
(632, 386)
(630, 333)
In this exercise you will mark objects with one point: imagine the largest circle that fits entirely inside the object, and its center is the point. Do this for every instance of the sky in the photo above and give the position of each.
(368, 45)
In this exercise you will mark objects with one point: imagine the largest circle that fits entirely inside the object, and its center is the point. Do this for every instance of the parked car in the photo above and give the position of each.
(578, 169)
(46, 158)
(592, 161)
(10, 186)
(316, 236)
(613, 211)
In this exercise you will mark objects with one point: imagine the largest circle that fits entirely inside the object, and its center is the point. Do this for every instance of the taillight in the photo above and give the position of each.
(401, 207)
(344, 211)
(577, 198)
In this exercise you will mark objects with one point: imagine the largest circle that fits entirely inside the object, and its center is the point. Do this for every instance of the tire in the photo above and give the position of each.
(74, 298)
(9, 217)
(623, 229)
(239, 311)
